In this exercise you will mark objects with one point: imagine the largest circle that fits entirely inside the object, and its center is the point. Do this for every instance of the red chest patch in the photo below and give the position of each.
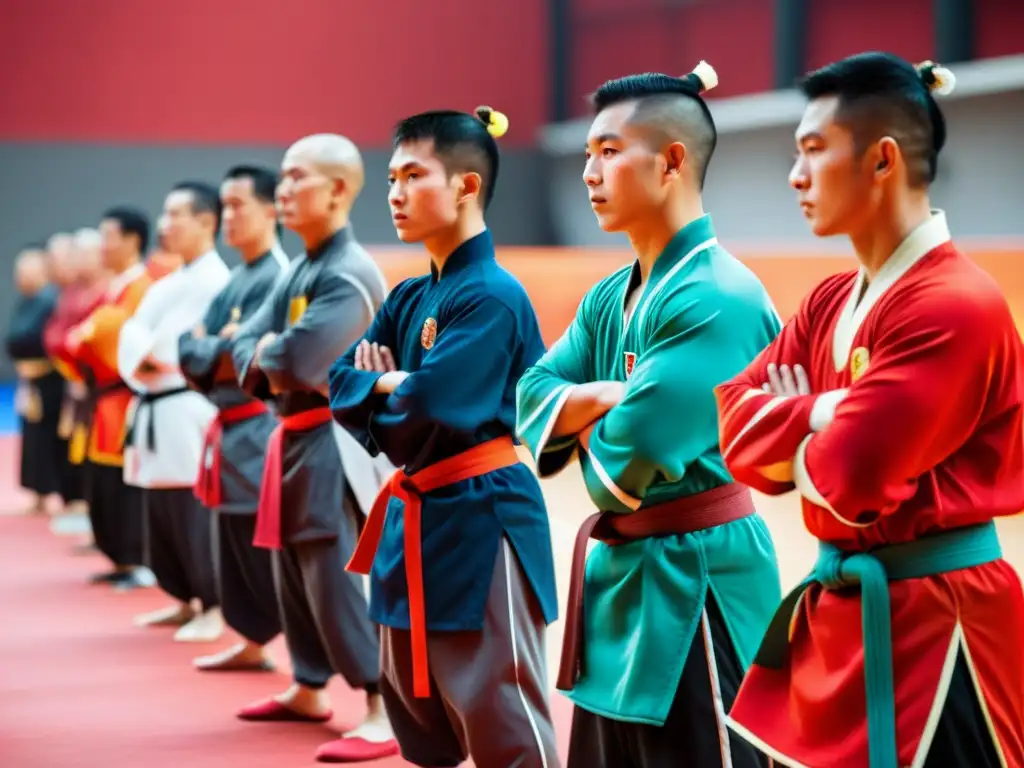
(630, 362)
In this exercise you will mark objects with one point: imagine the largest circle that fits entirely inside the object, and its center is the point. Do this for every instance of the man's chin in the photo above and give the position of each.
(407, 235)
(607, 222)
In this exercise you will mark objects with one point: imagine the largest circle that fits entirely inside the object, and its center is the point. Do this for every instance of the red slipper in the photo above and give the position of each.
(273, 711)
(355, 750)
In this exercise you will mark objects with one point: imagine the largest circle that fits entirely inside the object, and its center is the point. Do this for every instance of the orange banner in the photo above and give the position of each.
(557, 278)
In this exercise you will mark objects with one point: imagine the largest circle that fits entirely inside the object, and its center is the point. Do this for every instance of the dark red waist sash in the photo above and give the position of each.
(207, 488)
(268, 514)
(680, 516)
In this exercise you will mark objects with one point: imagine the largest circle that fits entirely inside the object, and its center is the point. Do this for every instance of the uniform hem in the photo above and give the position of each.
(763, 746)
(617, 716)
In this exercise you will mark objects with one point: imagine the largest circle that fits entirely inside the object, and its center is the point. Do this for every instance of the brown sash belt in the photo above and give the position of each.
(673, 518)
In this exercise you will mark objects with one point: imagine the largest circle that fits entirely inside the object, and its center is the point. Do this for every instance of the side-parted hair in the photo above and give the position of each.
(205, 199)
(463, 142)
(674, 106)
(881, 95)
(131, 221)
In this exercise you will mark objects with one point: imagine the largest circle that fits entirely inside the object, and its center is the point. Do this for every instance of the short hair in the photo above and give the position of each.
(674, 106)
(205, 199)
(463, 142)
(264, 181)
(131, 221)
(881, 94)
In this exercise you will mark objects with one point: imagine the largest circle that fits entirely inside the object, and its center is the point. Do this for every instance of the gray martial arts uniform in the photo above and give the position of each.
(325, 301)
(245, 582)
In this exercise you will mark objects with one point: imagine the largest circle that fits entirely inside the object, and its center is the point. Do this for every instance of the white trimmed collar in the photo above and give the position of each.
(915, 246)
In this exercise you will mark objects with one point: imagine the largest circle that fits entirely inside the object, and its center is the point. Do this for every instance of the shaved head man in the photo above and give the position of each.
(318, 482)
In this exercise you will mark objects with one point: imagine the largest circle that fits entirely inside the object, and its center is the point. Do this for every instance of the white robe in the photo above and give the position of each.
(173, 305)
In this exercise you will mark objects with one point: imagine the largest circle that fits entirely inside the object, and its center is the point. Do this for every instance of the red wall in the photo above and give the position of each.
(737, 37)
(612, 39)
(264, 70)
(999, 29)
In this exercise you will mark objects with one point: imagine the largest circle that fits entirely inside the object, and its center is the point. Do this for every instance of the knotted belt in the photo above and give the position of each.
(268, 513)
(688, 514)
(208, 486)
(147, 400)
(479, 460)
(872, 571)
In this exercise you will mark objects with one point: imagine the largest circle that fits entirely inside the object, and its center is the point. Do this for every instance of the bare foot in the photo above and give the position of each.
(306, 701)
(242, 657)
(171, 616)
(203, 628)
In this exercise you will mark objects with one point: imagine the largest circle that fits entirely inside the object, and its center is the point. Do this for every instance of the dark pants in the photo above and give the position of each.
(70, 477)
(488, 688)
(962, 739)
(179, 545)
(324, 610)
(694, 734)
(245, 579)
(115, 514)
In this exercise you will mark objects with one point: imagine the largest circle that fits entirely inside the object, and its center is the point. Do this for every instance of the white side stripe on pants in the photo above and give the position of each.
(515, 653)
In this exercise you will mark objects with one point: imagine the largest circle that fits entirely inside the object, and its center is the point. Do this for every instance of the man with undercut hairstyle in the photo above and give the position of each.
(683, 579)
(892, 402)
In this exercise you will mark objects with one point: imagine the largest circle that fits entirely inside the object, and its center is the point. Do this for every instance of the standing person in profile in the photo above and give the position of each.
(232, 461)
(683, 579)
(893, 402)
(165, 437)
(97, 434)
(316, 487)
(457, 547)
(37, 399)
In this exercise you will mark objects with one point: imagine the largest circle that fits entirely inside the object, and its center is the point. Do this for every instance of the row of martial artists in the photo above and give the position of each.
(58, 284)
(209, 394)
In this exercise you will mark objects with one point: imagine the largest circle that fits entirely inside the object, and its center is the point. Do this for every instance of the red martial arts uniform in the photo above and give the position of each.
(928, 439)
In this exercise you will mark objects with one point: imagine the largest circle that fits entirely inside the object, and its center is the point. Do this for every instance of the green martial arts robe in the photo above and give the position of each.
(702, 318)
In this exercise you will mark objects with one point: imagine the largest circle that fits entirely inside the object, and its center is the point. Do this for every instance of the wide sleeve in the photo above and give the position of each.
(140, 332)
(199, 357)
(301, 356)
(918, 402)
(544, 388)
(461, 381)
(353, 400)
(243, 347)
(759, 432)
(667, 420)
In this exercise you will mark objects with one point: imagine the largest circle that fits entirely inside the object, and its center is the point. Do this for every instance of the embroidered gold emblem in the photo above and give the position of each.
(296, 309)
(236, 314)
(859, 361)
(429, 333)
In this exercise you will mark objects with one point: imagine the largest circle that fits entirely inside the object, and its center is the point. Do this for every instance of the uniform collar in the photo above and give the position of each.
(122, 280)
(915, 246)
(687, 242)
(477, 248)
(339, 239)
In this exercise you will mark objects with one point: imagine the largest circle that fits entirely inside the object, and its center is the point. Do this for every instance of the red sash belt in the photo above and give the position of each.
(268, 513)
(479, 460)
(207, 487)
(680, 516)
